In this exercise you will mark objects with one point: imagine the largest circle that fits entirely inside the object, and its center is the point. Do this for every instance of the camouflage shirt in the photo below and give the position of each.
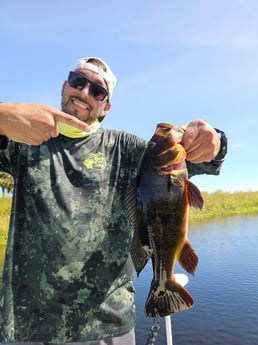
(68, 275)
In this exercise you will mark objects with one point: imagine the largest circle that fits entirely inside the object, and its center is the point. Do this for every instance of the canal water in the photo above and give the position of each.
(224, 288)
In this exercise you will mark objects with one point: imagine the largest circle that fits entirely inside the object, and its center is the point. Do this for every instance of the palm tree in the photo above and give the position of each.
(6, 182)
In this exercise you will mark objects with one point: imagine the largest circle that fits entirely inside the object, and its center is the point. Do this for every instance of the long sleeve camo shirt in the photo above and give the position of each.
(68, 275)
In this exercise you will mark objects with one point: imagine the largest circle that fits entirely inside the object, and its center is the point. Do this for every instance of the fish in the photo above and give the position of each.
(162, 195)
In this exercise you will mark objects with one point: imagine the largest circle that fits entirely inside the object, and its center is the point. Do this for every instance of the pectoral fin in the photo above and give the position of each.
(194, 196)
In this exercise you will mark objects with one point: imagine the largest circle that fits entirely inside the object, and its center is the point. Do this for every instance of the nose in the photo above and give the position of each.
(86, 89)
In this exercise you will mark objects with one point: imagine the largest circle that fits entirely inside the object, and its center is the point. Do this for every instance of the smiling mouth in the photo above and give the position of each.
(80, 104)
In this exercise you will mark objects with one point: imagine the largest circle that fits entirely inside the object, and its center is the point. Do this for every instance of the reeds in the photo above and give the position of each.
(223, 204)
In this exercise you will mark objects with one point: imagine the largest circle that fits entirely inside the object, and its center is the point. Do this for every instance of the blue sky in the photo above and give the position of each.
(175, 61)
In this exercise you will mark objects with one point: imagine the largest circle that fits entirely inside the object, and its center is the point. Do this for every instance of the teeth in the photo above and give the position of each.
(78, 104)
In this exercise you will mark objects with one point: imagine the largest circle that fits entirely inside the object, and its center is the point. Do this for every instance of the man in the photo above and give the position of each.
(68, 276)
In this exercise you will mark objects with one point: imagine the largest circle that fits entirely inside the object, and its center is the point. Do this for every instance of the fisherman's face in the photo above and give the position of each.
(80, 103)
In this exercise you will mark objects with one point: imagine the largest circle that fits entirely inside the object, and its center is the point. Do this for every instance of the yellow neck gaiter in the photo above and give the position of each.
(73, 132)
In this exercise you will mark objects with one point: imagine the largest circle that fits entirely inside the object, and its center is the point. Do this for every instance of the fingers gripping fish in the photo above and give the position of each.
(163, 197)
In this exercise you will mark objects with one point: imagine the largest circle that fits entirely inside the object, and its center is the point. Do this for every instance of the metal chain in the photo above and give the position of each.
(153, 332)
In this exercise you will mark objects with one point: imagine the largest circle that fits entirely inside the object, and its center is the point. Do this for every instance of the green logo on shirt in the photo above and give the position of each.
(96, 161)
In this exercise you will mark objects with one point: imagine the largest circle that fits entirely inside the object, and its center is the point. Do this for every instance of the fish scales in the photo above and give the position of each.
(164, 194)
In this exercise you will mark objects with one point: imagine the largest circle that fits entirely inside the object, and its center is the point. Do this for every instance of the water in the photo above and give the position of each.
(224, 288)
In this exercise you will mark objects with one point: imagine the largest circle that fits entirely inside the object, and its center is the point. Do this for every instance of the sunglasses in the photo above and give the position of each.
(79, 81)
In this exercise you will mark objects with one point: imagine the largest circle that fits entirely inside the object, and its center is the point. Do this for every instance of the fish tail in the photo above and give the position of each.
(163, 301)
(188, 258)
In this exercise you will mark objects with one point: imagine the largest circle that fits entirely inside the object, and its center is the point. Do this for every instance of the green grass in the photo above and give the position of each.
(216, 205)
(221, 204)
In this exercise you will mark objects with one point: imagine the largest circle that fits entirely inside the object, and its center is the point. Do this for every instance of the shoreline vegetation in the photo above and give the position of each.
(216, 205)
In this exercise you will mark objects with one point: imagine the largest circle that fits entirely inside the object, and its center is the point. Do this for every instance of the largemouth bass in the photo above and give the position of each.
(164, 194)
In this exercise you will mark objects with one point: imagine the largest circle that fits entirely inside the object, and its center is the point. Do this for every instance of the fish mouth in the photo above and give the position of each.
(165, 148)
(180, 156)
(175, 164)
(166, 129)
(173, 169)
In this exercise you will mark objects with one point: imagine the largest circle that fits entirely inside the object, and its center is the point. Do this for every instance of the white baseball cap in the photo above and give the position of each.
(105, 72)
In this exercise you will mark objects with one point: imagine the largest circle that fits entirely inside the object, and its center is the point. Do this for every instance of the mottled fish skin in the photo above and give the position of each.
(164, 195)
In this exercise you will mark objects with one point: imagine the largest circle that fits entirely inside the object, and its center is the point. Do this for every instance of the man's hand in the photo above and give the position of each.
(34, 123)
(201, 142)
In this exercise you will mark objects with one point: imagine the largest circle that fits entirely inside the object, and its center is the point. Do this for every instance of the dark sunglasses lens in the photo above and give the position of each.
(79, 82)
(98, 92)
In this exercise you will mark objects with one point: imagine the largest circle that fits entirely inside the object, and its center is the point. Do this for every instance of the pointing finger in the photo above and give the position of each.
(71, 121)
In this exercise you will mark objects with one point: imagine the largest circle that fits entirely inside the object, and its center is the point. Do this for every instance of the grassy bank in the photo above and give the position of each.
(221, 204)
(216, 205)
